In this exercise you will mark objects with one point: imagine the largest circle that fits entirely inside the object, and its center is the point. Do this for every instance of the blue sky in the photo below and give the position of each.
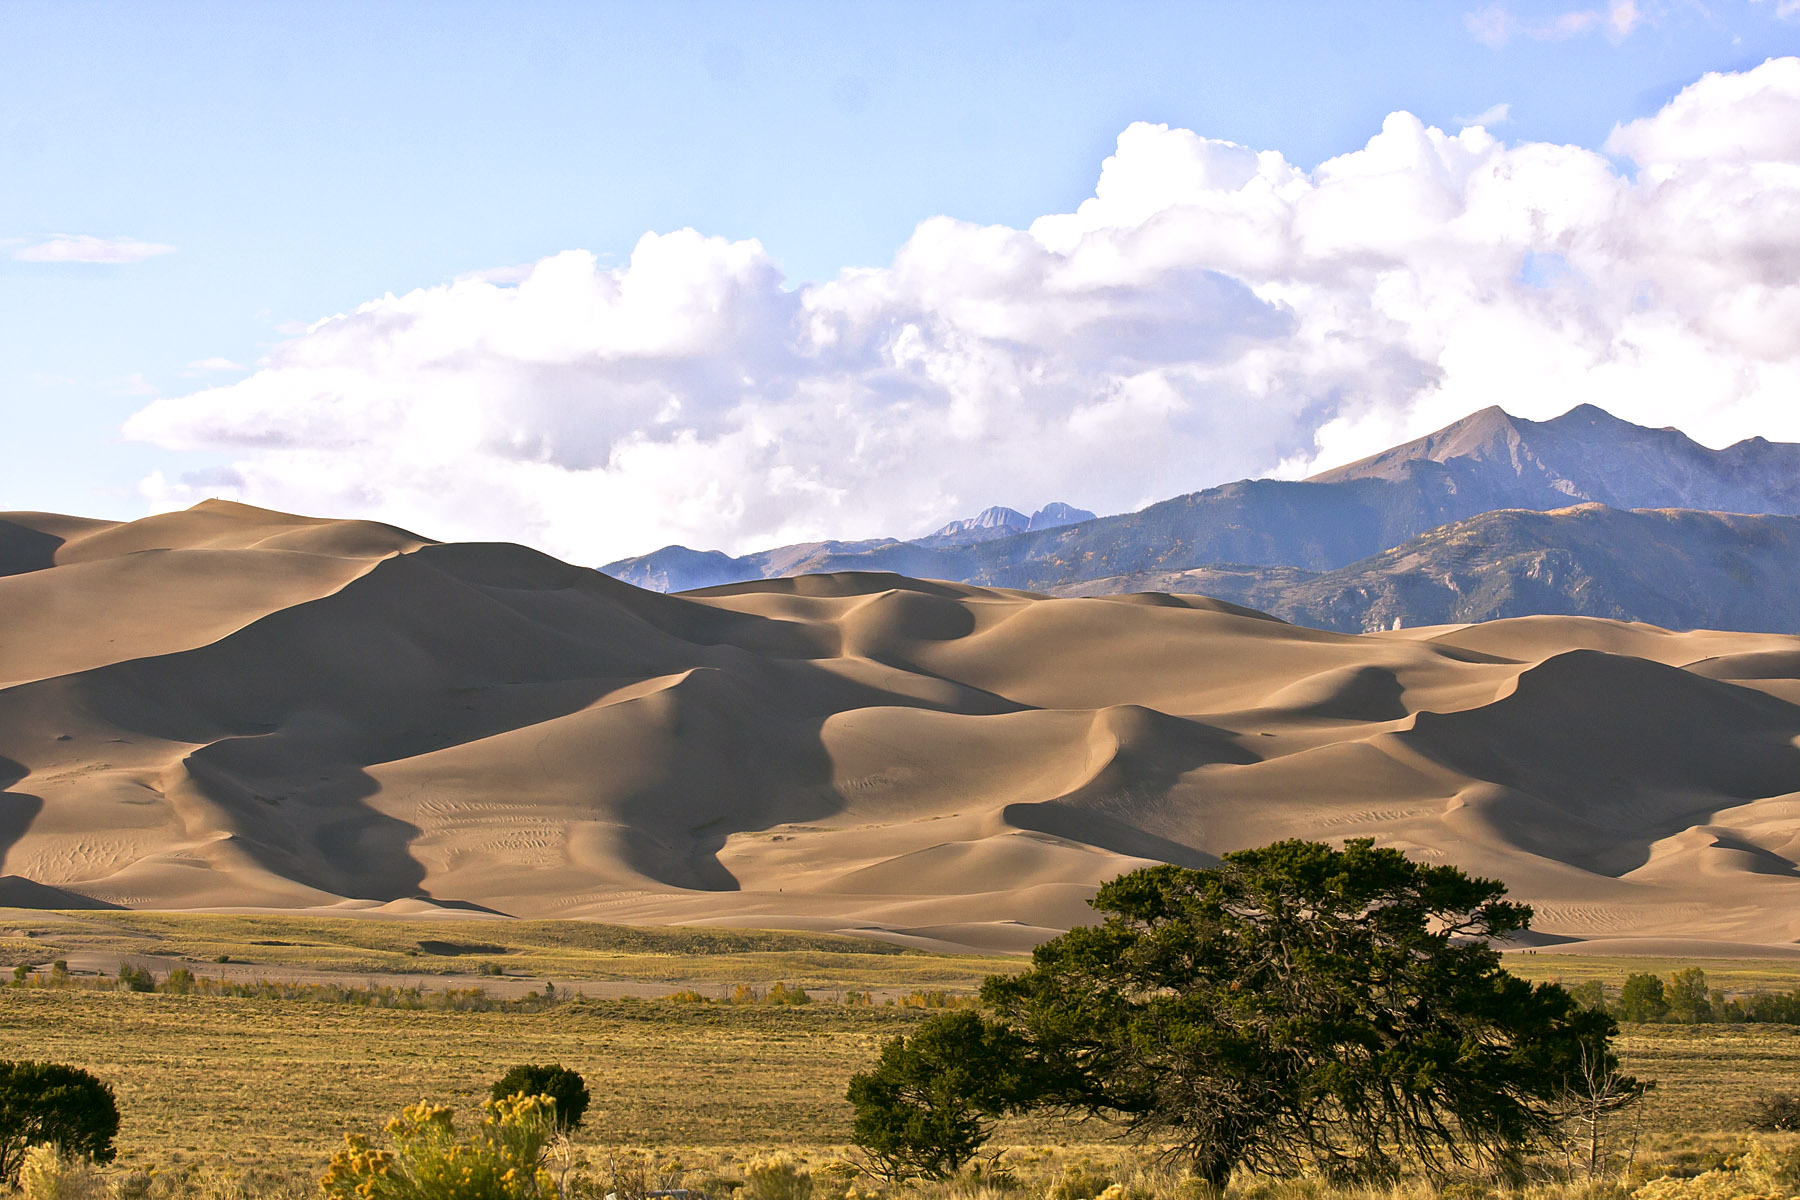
(271, 165)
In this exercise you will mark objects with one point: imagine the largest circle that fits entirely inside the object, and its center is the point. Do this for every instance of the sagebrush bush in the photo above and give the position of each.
(778, 1176)
(502, 1160)
(1080, 1181)
(1761, 1170)
(46, 1173)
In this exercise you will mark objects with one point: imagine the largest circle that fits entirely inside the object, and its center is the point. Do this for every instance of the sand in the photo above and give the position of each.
(233, 708)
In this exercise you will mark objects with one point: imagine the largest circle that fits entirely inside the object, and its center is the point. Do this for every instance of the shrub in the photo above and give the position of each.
(51, 1103)
(781, 993)
(688, 996)
(180, 982)
(565, 1088)
(503, 1160)
(134, 977)
(777, 1177)
(1778, 1112)
(1082, 1181)
(48, 1174)
(1761, 1170)
(932, 1100)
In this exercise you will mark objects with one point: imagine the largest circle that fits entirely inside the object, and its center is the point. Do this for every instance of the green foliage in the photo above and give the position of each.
(781, 993)
(931, 1101)
(1591, 994)
(180, 982)
(1303, 1006)
(135, 977)
(1642, 999)
(1779, 1008)
(565, 1088)
(52, 1103)
(503, 1160)
(1687, 997)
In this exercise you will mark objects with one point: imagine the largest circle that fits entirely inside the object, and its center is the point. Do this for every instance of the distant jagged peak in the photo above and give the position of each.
(1000, 521)
(996, 517)
(1057, 514)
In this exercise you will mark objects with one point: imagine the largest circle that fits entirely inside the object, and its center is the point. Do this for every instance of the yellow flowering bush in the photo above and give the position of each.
(502, 1160)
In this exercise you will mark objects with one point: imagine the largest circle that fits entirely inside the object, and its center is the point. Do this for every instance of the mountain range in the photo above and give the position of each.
(1360, 546)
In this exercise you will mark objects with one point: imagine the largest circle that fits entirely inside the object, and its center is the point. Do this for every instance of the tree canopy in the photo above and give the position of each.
(930, 1102)
(1303, 1005)
(51, 1102)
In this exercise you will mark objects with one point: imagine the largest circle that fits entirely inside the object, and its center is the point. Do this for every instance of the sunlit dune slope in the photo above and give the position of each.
(229, 707)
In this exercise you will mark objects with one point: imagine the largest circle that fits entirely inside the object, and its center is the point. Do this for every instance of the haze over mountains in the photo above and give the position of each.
(1270, 543)
(229, 707)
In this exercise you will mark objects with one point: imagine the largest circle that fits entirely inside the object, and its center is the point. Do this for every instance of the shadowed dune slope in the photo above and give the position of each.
(229, 707)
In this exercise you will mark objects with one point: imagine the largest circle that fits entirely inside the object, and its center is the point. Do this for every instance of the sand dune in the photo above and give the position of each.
(229, 707)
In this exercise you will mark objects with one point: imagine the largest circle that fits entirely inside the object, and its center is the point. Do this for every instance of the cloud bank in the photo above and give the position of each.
(86, 248)
(1211, 312)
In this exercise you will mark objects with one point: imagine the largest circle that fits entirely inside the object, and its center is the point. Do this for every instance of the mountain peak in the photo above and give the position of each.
(1000, 521)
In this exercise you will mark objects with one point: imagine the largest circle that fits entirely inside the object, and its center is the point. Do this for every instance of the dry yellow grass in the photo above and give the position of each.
(276, 1083)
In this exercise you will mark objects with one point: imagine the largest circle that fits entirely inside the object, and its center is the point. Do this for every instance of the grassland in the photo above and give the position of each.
(273, 1084)
(1734, 975)
(559, 950)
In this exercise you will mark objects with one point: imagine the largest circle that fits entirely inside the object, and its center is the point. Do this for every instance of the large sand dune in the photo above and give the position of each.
(229, 707)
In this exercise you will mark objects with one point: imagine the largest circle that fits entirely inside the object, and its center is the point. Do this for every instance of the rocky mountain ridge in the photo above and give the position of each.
(1254, 538)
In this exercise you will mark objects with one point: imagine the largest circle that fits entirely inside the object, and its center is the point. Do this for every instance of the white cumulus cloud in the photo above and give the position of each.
(86, 248)
(1211, 311)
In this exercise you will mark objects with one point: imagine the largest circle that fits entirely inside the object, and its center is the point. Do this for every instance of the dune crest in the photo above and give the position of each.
(230, 707)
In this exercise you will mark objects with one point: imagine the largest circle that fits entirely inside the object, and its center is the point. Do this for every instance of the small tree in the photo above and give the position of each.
(1589, 994)
(565, 1087)
(1299, 1005)
(931, 1101)
(1689, 1000)
(52, 1103)
(1642, 999)
(1593, 1100)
